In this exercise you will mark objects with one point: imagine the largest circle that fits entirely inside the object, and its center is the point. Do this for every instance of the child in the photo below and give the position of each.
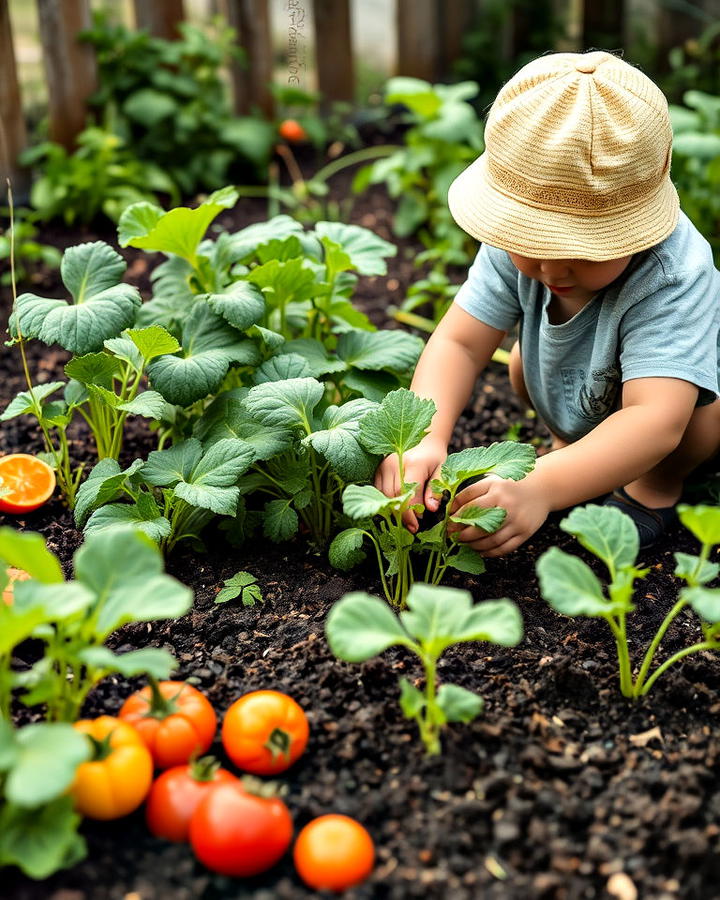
(614, 290)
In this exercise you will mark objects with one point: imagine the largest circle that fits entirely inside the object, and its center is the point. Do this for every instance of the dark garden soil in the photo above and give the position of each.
(562, 790)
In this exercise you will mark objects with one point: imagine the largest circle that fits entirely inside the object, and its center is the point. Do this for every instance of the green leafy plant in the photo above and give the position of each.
(29, 253)
(101, 176)
(360, 626)
(119, 578)
(169, 101)
(396, 426)
(38, 825)
(571, 587)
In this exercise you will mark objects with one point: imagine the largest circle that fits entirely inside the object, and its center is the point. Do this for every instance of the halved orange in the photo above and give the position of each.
(13, 575)
(26, 482)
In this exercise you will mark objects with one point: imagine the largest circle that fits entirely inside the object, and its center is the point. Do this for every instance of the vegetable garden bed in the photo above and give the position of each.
(561, 789)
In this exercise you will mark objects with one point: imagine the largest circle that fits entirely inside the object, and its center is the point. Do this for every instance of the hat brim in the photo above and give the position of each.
(500, 220)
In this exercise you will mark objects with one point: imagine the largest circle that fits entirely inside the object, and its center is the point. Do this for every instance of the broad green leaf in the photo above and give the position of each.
(705, 601)
(102, 484)
(41, 841)
(703, 521)
(124, 349)
(26, 550)
(412, 701)
(372, 385)
(290, 402)
(375, 350)
(338, 440)
(508, 459)
(227, 416)
(282, 368)
(607, 532)
(23, 402)
(102, 307)
(212, 483)
(346, 549)
(398, 424)
(693, 569)
(360, 626)
(317, 358)
(241, 304)
(114, 515)
(467, 560)
(489, 518)
(149, 404)
(57, 601)
(416, 94)
(280, 521)
(366, 250)
(249, 239)
(154, 661)
(93, 368)
(242, 585)
(570, 586)
(48, 755)
(17, 625)
(458, 704)
(365, 501)
(153, 341)
(165, 468)
(178, 231)
(284, 282)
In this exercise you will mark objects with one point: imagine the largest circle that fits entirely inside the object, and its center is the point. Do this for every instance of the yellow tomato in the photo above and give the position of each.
(118, 779)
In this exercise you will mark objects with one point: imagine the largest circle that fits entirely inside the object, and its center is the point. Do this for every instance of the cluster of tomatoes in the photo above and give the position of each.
(237, 827)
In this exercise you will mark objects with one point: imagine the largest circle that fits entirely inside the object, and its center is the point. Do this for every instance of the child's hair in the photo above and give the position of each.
(576, 162)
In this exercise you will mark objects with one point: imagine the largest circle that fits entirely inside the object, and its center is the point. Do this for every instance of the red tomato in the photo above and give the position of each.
(292, 131)
(264, 732)
(175, 795)
(237, 833)
(173, 718)
(333, 853)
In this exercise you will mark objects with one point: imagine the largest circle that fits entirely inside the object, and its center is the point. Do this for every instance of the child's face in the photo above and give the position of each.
(576, 279)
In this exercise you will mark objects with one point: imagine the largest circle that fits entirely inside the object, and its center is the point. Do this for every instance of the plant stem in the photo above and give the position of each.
(430, 733)
(676, 657)
(618, 630)
(352, 159)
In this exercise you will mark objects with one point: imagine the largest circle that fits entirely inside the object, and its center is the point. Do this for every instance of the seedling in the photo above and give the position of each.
(360, 626)
(571, 588)
(396, 426)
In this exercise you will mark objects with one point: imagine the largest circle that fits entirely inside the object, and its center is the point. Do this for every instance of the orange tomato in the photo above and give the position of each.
(13, 575)
(26, 482)
(333, 853)
(174, 720)
(117, 781)
(292, 131)
(264, 732)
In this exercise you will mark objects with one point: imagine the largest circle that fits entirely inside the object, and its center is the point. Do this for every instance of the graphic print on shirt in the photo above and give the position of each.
(596, 399)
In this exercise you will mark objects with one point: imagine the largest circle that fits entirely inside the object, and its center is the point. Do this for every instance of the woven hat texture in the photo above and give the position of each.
(576, 163)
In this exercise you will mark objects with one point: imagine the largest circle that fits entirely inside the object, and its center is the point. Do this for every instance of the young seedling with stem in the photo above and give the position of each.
(571, 587)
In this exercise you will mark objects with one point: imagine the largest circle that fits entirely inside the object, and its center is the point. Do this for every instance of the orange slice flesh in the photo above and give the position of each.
(13, 575)
(26, 482)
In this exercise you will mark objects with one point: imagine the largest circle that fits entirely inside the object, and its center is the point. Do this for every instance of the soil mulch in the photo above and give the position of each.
(561, 790)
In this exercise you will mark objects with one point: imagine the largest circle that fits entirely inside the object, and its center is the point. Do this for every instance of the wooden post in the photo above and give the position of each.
(13, 136)
(251, 82)
(456, 17)
(69, 65)
(333, 50)
(418, 39)
(603, 25)
(160, 17)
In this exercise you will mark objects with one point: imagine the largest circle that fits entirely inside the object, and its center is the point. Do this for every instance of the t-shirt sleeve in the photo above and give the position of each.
(673, 333)
(490, 292)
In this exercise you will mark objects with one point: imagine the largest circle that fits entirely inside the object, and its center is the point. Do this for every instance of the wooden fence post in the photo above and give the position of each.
(251, 82)
(69, 65)
(333, 50)
(456, 17)
(12, 124)
(160, 17)
(418, 39)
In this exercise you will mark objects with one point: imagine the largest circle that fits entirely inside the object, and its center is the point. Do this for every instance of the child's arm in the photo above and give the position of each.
(458, 350)
(627, 444)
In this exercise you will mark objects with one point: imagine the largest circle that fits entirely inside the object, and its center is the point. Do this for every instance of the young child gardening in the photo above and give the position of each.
(614, 291)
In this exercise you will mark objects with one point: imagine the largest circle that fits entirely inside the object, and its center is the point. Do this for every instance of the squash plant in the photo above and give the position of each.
(571, 587)
(396, 426)
(360, 626)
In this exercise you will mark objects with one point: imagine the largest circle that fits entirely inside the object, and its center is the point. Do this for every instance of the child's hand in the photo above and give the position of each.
(526, 506)
(422, 464)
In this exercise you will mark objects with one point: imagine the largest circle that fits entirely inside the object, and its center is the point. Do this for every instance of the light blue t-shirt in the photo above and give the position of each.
(661, 317)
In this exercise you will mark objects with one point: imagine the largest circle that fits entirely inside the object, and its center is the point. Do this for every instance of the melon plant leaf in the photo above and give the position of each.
(149, 404)
(212, 482)
(93, 368)
(291, 403)
(41, 841)
(102, 485)
(337, 440)
(373, 385)
(155, 661)
(467, 560)
(364, 501)
(508, 459)
(283, 282)
(241, 304)
(178, 231)
(458, 704)
(282, 368)
(165, 468)
(346, 549)
(123, 348)
(315, 355)
(398, 424)
(242, 585)
(228, 417)
(360, 626)
(250, 238)
(101, 306)
(28, 551)
(571, 587)
(705, 601)
(280, 521)
(23, 402)
(489, 518)
(373, 350)
(148, 522)
(412, 701)
(703, 521)
(691, 568)
(607, 532)
(152, 341)
(366, 250)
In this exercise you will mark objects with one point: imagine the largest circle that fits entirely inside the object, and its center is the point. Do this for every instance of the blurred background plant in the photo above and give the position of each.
(30, 255)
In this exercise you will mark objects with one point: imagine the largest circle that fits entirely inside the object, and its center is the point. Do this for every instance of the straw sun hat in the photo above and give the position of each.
(576, 165)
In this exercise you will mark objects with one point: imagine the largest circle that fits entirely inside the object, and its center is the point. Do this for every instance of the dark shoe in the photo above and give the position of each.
(651, 524)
